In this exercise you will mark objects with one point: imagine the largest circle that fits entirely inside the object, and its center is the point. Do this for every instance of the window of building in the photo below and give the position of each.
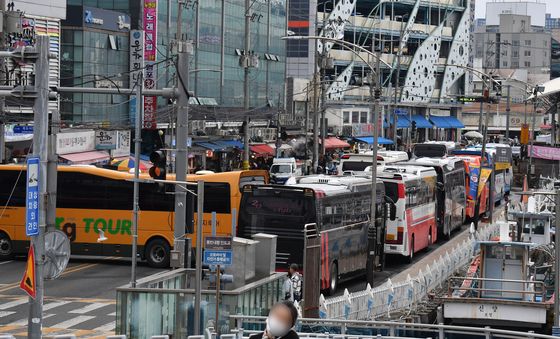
(355, 117)
(345, 117)
(545, 43)
(527, 64)
(112, 42)
(527, 42)
(504, 63)
(515, 64)
(504, 53)
(515, 42)
(527, 53)
(515, 54)
(363, 117)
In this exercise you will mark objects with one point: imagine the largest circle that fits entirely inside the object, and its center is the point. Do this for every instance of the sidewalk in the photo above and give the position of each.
(440, 251)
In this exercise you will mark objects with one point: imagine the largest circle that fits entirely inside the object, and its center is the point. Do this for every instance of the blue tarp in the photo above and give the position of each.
(402, 122)
(209, 145)
(369, 140)
(446, 122)
(234, 143)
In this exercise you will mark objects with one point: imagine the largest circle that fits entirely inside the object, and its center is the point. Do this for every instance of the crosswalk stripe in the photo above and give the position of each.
(114, 314)
(88, 308)
(106, 328)
(73, 322)
(14, 303)
(5, 313)
(54, 304)
(23, 322)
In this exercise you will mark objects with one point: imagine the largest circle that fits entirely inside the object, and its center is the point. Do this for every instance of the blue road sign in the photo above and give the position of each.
(222, 258)
(401, 111)
(23, 129)
(32, 197)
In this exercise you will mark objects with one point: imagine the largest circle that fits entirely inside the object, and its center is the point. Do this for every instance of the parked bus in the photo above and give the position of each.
(434, 149)
(411, 224)
(359, 162)
(451, 192)
(339, 206)
(90, 199)
(472, 174)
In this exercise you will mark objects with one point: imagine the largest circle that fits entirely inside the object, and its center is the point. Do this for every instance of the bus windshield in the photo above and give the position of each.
(281, 169)
(269, 202)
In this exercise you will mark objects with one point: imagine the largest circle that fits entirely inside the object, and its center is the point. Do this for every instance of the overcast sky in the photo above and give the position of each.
(552, 6)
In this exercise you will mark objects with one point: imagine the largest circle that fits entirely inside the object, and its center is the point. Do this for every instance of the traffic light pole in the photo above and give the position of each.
(40, 149)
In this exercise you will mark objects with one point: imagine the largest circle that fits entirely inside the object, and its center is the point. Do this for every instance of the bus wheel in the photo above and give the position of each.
(6, 247)
(157, 253)
(334, 278)
(411, 254)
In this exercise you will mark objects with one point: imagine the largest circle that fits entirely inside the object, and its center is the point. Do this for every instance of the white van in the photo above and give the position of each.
(282, 169)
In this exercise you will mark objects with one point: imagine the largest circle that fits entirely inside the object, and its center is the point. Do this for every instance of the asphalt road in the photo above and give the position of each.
(80, 301)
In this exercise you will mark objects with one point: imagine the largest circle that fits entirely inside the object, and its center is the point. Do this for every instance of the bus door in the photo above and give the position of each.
(396, 222)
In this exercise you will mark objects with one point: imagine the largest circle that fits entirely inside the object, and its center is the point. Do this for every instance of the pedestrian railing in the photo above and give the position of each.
(404, 297)
(355, 329)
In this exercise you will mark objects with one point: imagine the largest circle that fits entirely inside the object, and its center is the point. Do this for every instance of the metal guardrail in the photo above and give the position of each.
(374, 303)
(524, 292)
(356, 329)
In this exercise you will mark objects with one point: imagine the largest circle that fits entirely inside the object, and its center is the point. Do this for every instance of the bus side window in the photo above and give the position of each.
(12, 190)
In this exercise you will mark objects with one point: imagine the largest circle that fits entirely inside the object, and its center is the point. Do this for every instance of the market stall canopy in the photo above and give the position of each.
(262, 149)
(332, 143)
(448, 122)
(369, 140)
(85, 158)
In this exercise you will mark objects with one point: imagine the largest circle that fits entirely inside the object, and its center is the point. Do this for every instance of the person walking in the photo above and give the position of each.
(280, 322)
(293, 284)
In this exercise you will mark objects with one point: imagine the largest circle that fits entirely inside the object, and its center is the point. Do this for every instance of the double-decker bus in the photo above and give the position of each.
(339, 206)
(90, 199)
(411, 224)
(472, 175)
(450, 194)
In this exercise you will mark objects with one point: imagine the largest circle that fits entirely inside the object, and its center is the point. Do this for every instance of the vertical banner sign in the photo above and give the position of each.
(484, 176)
(32, 197)
(136, 66)
(150, 53)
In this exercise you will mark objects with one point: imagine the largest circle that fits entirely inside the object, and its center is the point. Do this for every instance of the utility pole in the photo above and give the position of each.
(315, 122)
(557, 261)
(3, 78)
(136, 185)
(40, 149)
(323, 85)
(553, 131)
(198, 273)
(374, 98)
(246, 65)
(181, 151)
(483, 159)
(182, 122)
(508, 109)
(484, 93)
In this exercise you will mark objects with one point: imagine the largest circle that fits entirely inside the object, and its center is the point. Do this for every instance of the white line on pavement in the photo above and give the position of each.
(23, 322)
(5, 262)
(88, 308)
(5, 313)
(72, 322)
(114, 314)
(14, 303)
(55, 304)
(110, 327)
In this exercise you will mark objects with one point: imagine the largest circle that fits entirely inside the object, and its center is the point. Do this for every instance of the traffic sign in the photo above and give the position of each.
(23, 129)
(222, 258)
(28, 281)
(401, 111)
(32, 197)
(217, 243)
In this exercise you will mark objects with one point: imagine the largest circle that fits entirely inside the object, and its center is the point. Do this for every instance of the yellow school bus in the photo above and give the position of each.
(90, 199)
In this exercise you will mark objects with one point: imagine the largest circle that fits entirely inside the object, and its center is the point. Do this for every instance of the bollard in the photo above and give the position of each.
(487, 332)
(441, 331)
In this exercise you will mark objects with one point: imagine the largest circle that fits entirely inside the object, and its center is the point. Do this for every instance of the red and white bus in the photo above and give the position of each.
(411, 224)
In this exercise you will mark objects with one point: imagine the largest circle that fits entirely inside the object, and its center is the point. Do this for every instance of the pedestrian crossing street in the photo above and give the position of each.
(86, 318)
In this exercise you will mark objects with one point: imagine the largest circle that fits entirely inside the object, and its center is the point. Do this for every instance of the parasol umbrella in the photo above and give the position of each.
(128, 163)
(473, 135)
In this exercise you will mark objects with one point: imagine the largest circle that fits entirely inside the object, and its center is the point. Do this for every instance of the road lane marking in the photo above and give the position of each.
(68, 271)
(14, 303)
(73, 322)
(23, 322)
(6, 262)
(55, 304)
(114, 314)
(110, 327)
(6, 313)
(88, 308)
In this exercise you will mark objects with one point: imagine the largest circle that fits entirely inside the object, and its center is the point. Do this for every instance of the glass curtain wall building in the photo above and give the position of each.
(217, 29)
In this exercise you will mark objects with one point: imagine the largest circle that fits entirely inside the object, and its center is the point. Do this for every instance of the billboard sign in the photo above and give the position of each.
(136, 62)
(150, 57)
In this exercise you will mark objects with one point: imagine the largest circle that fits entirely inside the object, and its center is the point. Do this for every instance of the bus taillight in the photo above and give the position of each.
(400, 191)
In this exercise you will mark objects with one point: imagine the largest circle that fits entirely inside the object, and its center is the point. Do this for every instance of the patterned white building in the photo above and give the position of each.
(425, 44)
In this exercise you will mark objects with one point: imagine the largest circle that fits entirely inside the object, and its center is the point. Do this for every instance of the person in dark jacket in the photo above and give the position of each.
(280, 322)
